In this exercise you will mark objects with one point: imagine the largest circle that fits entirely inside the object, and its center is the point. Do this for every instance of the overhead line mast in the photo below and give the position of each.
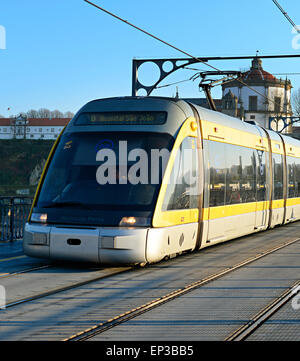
(183, 64)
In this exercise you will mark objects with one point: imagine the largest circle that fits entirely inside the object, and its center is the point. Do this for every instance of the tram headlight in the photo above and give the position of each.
(39, 217)
(135, 221)
(130, 221)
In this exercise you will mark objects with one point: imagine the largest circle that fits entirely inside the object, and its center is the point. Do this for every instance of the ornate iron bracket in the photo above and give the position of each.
(180, 63)
(137, 85)
(279, 123)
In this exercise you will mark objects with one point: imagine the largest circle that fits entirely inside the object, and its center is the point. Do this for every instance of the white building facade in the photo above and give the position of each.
(267, 97)
(31, 128)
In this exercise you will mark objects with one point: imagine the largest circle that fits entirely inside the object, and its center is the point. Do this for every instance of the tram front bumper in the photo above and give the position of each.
(115, 245)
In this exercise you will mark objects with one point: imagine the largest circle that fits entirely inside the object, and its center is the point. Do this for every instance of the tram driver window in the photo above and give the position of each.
(183, 188)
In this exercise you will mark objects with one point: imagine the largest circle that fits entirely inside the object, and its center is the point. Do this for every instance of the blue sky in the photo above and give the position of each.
(62, 53)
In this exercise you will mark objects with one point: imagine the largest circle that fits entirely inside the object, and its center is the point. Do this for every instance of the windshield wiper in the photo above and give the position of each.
(67, 204)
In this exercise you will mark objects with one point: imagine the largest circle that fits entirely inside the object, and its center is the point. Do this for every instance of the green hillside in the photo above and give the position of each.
(21, 163)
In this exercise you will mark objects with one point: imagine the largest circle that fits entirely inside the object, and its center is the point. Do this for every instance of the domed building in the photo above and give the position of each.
(272, 97)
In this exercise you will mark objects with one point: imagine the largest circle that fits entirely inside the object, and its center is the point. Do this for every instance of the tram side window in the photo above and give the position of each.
(217, 172)
(291, 170)
(183, 188)
(277, 176)
(241, 175)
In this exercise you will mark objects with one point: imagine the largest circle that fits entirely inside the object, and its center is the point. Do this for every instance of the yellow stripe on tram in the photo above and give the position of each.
(233, 210)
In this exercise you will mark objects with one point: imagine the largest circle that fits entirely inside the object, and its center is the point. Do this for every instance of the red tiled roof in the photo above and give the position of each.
(4, 121)
(48, 122)
(38, 122)
(258, 74)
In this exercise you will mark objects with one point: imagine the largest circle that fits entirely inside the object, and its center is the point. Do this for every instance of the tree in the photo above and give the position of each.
(32, 113)
(68, 115)
(56, 114)
(296, 102)
(44, 113)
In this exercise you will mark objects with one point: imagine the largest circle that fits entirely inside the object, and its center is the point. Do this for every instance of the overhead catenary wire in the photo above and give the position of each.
(192, 78)
(176, 48)
(286, 74)
(286, 16)
(176, 82)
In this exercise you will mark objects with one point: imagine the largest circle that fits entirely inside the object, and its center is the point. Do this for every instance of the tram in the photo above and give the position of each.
(135, 180)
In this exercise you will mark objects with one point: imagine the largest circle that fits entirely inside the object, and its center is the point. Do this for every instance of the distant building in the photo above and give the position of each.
(230, 105)
(268, 96)
(258, 97)
(31, 128)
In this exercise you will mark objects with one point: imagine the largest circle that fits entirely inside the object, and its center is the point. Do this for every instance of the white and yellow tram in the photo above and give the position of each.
(135, 180)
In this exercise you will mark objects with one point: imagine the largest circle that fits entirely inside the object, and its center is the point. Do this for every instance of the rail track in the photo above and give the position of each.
(27, 270)
(64, 288)
(241, 333)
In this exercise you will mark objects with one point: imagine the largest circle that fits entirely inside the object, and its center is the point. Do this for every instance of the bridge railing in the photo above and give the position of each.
(14, 212)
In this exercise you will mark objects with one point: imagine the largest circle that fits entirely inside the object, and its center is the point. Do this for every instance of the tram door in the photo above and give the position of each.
(217, 185)
(261, 214)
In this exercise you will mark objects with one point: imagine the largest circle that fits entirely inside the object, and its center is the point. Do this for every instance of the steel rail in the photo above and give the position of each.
(126, 316)
(65, 288)
(27, 270)
(263, 315)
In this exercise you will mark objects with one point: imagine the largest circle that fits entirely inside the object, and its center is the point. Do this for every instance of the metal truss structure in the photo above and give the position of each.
(280, 123)
(175, 64)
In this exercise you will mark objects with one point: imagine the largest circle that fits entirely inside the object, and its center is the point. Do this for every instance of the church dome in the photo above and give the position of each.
(257, 76)
(257, 73)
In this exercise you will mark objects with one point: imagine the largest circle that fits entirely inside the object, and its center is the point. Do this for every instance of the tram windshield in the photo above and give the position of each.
(96, 172)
